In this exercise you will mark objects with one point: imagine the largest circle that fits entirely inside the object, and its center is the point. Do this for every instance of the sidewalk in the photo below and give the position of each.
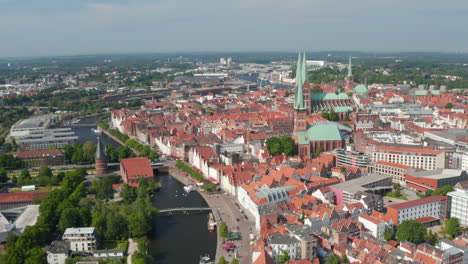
(132, 248)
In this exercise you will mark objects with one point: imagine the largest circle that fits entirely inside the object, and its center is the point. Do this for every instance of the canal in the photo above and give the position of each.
(178, 238)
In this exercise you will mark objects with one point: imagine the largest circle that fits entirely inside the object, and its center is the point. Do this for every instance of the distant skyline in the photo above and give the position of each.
(61, 27)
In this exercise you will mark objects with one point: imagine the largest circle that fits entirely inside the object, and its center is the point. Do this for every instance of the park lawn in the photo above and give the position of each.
(115, 244)
(393, 195)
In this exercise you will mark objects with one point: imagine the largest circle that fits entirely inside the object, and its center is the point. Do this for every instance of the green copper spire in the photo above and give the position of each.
(305, 77)
(350, 69)
(299, 98)
(299, 70)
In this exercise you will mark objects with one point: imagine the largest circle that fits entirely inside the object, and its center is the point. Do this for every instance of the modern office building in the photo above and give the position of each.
(396, 171)
(433, 179)
(457, 204)
(351, 158)
(433, 206)
(419, 158)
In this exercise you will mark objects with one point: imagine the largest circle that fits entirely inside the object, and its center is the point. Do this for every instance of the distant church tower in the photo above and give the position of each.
(349, 79)
(300, 107)
(100, 159)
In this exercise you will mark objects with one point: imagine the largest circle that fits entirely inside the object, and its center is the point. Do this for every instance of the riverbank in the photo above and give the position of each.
(224, 209)
(117, 140)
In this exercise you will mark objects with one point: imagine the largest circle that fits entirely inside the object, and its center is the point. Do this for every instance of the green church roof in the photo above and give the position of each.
(320, 132)
(360, 89)
(329, 96)
(341, 109)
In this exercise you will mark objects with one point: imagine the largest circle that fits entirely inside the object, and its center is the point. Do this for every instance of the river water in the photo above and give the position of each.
(179, 238)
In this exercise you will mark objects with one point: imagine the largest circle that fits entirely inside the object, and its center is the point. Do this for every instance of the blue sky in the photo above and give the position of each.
(64, 27)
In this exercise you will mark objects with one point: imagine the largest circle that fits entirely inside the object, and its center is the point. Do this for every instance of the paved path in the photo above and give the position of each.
(224, 208)
(132, 248)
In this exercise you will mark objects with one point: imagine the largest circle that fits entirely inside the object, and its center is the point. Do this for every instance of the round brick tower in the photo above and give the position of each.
(100, 158)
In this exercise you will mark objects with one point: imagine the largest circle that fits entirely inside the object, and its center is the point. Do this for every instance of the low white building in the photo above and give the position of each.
(57, 253)
(81, 239)
(284, 242)
(375, 226)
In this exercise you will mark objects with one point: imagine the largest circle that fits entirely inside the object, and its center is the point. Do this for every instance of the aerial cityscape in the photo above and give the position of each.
(212, 142)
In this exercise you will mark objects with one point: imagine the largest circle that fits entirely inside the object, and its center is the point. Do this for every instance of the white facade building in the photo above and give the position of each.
(57, 253)
(280, 242)
(375, 226)
(417, 158)
(458, 205)
(81, 239)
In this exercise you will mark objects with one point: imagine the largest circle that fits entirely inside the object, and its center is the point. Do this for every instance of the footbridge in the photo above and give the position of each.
(184, 210)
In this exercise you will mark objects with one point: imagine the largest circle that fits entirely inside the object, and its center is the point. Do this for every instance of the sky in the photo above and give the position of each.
(72, 27)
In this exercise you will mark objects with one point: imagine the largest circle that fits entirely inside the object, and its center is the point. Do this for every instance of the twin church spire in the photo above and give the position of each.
(301, 78)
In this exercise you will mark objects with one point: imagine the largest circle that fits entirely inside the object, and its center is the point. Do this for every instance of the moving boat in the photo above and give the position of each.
(189, 188)
(205, 260)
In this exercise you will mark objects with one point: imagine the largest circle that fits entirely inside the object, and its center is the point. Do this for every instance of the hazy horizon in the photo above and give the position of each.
(65, 28)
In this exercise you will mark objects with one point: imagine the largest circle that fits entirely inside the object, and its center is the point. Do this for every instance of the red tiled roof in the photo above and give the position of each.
(426, 219)
(37, 153)
(396, 165)
(417, 150)
(137, 167)
(21, 196)
(417, 202)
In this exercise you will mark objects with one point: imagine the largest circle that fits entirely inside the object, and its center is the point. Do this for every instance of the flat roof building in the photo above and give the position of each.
(433, 179)
(434, 206)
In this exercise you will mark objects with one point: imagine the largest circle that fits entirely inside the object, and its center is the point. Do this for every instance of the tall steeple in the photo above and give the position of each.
(100, 159)
(305, 76)
(350, 67)
(349, 79)
(300, 78)
(300, 107)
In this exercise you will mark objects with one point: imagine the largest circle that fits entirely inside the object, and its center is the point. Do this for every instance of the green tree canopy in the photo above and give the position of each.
(333, 259)
(284, 257)
(411, 231)
(452, 227)
(3, 175)
(449, 106)
(45, 171)
(222, 260)
(223, 230)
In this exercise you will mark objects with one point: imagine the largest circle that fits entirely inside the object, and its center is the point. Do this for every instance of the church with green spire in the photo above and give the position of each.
(309, 139)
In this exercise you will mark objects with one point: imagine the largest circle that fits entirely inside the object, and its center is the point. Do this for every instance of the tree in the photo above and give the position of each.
(316, 89)
(284, 257)
(344, 259)
(234, 261)
(288, 146)
(333, 116)
(388, 235)
(452, 227)
(449, 106)
(70, 217)
(347, 118)
(222, 260)
(138, 224)
(3, 175)
(431, 238)
(333, 259)
(116, 227)
(274, 146)
(89, 150)
(223, 230)
(411, 231)
(326, 116)
(128, 194)
(35, 256)
(397, 189)
(443, 190)
(45, 171)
